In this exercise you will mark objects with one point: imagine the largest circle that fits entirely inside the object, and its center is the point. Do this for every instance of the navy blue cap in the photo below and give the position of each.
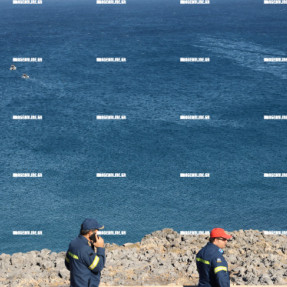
(89, 224)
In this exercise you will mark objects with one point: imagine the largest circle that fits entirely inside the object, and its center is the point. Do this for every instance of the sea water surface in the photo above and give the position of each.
(152, 146)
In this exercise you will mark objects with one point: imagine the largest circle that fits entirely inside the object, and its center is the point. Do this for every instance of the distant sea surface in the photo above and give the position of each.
(152, 146)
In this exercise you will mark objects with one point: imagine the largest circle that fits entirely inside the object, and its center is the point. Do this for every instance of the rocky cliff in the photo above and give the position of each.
(161, 258)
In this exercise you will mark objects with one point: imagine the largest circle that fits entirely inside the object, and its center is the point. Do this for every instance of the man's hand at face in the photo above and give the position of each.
(100, 242)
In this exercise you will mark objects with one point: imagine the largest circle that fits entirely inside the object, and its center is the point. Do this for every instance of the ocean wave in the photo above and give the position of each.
(246, 54)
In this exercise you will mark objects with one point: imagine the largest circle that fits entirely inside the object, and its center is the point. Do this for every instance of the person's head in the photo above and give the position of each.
(218, 237)
(90, 226)
(88, 233)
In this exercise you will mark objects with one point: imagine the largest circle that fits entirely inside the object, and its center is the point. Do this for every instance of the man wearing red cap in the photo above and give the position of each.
(211, 265)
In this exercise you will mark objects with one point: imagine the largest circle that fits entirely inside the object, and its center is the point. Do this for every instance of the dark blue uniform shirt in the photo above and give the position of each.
(212, 267)
(84, 264)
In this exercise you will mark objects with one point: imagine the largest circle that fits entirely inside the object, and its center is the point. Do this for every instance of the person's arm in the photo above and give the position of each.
(101, 252)
(95, 261)
(220, 269)
(67, 261)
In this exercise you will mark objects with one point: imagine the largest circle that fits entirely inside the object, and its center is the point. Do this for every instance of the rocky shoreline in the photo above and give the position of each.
(161, 258)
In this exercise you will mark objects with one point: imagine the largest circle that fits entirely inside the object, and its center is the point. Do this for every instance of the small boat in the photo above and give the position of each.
(13, 68)
(25, 76)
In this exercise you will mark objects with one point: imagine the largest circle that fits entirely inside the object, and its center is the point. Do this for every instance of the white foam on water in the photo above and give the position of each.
(245, 54)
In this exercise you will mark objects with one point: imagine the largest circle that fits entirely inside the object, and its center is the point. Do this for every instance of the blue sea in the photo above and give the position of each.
(152, 146)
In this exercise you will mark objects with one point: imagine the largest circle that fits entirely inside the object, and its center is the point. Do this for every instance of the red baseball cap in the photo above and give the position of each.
(219, 232)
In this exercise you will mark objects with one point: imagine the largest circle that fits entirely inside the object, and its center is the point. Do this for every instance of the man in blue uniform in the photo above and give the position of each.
(84, 263)
(211, 265)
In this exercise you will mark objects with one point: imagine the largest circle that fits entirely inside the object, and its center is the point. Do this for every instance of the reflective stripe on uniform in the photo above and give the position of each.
(67, 259)
(220, 268)
(202, 260)
(94, 263)
(73, 255)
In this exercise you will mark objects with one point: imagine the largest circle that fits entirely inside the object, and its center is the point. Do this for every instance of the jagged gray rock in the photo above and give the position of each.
(163, 257)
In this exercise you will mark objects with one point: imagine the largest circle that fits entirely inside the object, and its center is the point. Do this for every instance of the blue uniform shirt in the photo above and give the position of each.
(212, 267)
(84, 264)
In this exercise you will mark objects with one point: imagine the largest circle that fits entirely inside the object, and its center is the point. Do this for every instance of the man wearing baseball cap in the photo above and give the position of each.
(211, 265)
(84, 263)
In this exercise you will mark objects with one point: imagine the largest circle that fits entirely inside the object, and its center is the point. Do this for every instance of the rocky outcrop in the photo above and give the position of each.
(161, 258)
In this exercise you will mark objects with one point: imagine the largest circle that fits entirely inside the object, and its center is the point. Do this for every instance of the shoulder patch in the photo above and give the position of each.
(218, 260)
